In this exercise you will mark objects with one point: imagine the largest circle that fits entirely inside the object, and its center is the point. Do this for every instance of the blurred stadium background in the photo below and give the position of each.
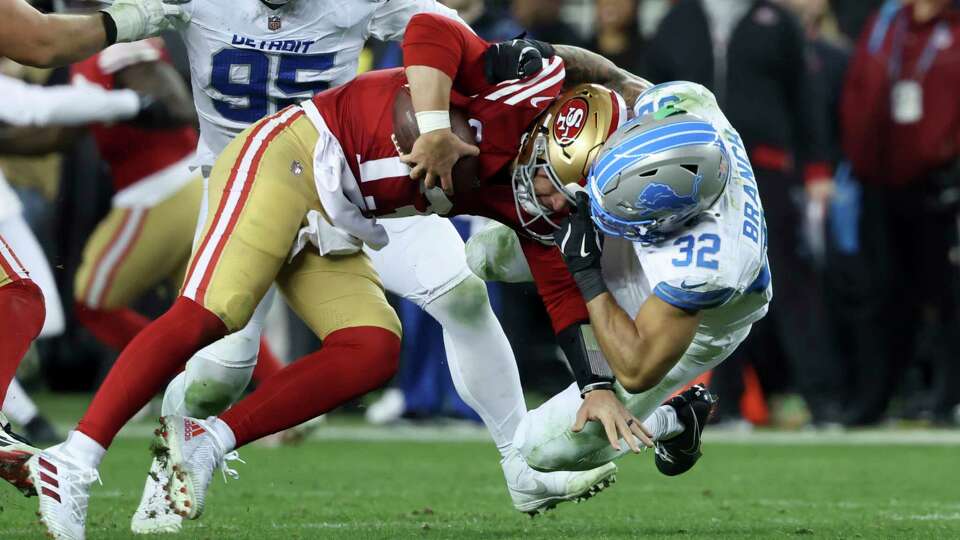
(838, 417)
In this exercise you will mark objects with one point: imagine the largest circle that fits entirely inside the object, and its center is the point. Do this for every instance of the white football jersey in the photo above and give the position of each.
(718, 265)
(248, 60)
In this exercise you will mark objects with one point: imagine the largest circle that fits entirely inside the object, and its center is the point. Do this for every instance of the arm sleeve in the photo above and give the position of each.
(451, 47)
(31, 105)
(556, 286)
(390, 21)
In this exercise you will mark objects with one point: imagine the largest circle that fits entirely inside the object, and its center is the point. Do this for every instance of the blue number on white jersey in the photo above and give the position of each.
(244, 74)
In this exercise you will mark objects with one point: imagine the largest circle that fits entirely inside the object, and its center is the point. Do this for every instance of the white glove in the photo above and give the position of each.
(140, 19)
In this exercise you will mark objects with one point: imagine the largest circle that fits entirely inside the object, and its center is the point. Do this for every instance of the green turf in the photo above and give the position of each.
(327, 489)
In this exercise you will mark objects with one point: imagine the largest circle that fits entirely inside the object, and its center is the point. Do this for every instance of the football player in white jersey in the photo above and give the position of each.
(52, 39)
(668, 247)
(249, 59)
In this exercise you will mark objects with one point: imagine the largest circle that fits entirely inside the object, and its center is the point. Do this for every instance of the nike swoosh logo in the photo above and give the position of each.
(540, 488)
(685, 285)
(535, 101)
(563, 244)
(583, 247)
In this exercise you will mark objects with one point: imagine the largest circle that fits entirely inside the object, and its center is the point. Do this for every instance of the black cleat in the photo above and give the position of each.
(679, 454)
(41, 431)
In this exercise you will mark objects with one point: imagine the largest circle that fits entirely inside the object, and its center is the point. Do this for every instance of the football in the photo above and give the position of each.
(405, 132)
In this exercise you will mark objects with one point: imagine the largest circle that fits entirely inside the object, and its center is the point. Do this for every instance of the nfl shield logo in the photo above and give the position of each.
(273, 23)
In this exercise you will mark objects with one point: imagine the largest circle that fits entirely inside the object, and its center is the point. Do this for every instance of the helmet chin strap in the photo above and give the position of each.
(573, 188)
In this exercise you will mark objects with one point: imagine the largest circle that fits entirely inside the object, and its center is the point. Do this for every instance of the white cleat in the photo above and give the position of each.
(154, 515)
(63, 487)
(14, 453)
(189, 452)
(535, 492)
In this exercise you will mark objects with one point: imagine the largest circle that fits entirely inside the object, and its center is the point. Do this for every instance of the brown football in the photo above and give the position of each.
(405, 131)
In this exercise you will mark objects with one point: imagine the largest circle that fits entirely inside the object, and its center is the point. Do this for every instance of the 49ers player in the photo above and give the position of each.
(357, 174)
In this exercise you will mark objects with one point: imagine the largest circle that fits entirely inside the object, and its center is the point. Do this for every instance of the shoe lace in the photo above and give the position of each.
(662, 453)
(226, 470)
(78, 482)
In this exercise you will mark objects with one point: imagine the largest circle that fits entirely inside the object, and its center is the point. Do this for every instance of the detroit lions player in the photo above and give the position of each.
(673, 283)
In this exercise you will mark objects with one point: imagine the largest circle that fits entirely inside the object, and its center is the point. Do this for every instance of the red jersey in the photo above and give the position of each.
(360, 115)
(133, 153)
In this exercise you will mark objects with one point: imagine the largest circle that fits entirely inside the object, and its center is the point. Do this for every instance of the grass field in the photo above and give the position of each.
(353, 486)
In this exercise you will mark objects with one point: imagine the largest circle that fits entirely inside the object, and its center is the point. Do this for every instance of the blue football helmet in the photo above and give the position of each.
(656, 174)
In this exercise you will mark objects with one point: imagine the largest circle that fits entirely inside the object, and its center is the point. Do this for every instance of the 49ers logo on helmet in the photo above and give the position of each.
(570, 120)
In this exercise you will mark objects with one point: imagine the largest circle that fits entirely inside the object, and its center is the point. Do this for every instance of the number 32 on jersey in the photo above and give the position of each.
(255, 83)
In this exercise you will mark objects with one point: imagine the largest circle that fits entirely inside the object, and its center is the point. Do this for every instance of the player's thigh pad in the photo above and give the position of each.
(260, 190)
(335, 292)
(135, 249)
(424, 259)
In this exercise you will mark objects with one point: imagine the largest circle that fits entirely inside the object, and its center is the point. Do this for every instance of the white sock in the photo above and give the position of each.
(663, 424)
(18, 406)
(82, 449)
(481, 361)
(223, 432)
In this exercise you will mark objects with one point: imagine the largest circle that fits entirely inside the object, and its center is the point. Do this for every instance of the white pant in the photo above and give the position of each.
(544, 437)
(424, 259)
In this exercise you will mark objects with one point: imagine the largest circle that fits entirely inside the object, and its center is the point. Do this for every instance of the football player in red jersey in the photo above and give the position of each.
(358, 174)
(262, 186)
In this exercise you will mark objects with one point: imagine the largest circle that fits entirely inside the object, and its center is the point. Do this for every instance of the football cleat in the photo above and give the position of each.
(14, 453)
(535, 492)
(189, 452)
(154, 515)
(63, 487)
(679, 454)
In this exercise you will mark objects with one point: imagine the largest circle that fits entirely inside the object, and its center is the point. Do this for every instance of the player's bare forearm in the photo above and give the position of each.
(583, 66)
(641, 351)
(35, 39)
(429, 88)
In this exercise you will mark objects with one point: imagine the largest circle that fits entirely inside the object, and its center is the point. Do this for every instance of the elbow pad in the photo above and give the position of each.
(586, 359)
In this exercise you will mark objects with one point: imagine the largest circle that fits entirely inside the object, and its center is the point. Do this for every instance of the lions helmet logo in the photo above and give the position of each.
(570, 121)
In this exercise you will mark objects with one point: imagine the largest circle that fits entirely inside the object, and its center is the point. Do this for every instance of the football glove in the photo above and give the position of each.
(515, 59)
(134, 20)
(582, 246)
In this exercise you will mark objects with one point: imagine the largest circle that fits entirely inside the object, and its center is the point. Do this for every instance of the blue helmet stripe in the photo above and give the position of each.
(679, 127)
(650, 137)
(624, 158)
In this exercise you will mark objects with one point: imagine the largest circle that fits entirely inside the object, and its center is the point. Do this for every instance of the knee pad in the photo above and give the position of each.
(467, 302)
(494, 254)
(208, 397)
(210, 387)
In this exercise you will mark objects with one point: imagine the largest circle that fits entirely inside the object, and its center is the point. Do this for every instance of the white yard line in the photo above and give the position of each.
(469, 433)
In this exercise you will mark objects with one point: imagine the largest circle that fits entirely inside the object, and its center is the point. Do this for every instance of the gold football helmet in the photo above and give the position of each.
(563, 142)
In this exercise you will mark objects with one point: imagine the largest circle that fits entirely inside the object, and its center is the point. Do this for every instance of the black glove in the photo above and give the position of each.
(581, 246)
(515, 59)
(154, 114)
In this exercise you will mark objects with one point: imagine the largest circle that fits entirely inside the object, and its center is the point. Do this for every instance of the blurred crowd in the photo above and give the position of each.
(850, 114)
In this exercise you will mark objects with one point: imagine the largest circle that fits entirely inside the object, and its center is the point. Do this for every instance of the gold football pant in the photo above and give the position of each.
(11, 269)
(261, 189)
(136, 249)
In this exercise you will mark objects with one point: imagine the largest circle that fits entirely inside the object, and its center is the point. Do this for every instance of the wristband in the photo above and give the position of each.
(602, 385)
(429, 121)
(590, 283)
(586, 359)
(109, 28)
